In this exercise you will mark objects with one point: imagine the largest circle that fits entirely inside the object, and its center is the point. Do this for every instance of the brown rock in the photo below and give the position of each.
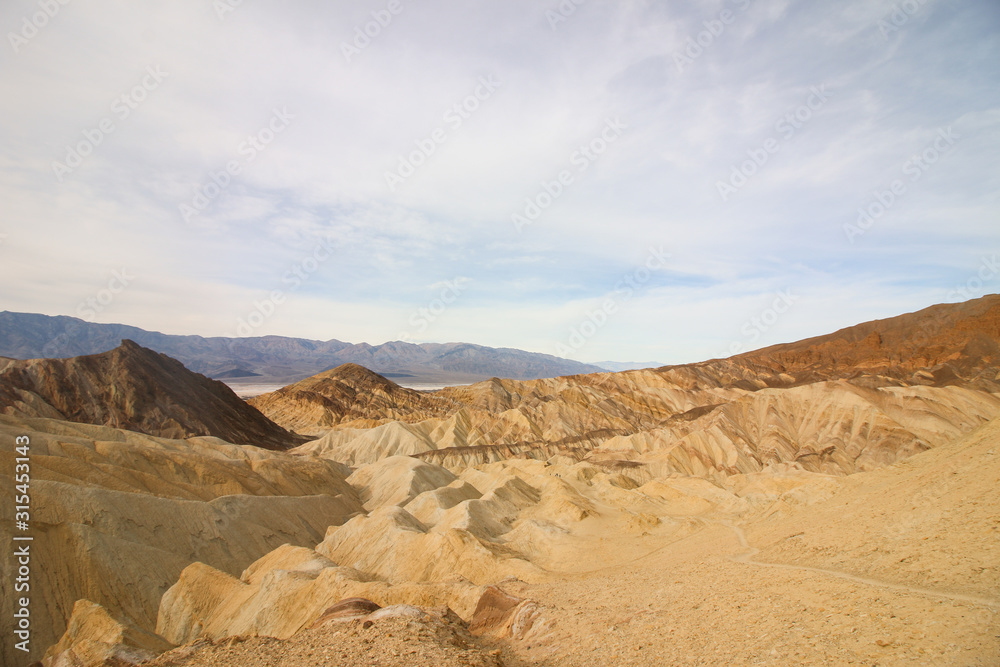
(136, 389)
(502, 615)
(348, 609)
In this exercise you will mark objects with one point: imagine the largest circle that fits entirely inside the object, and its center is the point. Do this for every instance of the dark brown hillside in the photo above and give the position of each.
(346, 393)
(137, 389)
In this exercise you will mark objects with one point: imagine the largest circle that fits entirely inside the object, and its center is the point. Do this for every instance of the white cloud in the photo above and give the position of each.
(324, 175)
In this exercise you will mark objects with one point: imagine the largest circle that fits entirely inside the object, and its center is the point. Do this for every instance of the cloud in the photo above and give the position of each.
(322, 178)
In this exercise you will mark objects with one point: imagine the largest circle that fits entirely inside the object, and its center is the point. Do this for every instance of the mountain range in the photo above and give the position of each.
(277, 359)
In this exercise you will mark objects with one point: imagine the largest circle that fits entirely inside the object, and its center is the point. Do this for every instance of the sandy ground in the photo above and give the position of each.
(896, 567)
(706, 601)
(900, 566)
(700, 600)
(389, 643)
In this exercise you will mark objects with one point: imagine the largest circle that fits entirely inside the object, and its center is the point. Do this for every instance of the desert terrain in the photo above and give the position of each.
(830, 501)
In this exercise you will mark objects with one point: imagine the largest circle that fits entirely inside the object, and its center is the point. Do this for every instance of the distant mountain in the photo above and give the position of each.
(136, 389)
(618, 366)
(277, 358)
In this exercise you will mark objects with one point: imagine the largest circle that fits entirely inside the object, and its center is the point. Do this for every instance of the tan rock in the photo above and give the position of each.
(93, 637)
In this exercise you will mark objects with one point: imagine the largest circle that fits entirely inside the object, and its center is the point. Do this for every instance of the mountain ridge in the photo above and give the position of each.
(278, 358)
(705, 418)
(138, 389)
(943, 344)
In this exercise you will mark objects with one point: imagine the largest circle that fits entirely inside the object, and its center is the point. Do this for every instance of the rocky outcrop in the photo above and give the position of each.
(95, 638)
(137, 389)
(346, 610)
(284, 592)
(344, 394)
(503, 616)
(117, 515)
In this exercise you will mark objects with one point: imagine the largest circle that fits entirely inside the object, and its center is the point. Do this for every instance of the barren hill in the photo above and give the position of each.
(345, 393)
(853, 400)
(898, 566)
(134, 388)
(117, 515)
(945, 344)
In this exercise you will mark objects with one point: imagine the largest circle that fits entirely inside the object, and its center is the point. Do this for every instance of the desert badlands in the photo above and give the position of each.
(828, 502)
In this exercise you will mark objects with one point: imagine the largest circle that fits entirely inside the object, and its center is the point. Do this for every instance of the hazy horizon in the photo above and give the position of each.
(592, 180)
(626, 364)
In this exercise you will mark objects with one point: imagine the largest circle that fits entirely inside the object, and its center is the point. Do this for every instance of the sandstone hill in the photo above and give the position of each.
(344, 394)
(133, 388)
(524, 562)
(943, 345)
(854, 400)
(117, 515)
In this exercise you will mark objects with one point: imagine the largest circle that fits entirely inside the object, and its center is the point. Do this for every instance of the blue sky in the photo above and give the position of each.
(602, 180)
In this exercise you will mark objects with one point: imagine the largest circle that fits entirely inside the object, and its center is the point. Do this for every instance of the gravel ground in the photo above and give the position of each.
(389, 642)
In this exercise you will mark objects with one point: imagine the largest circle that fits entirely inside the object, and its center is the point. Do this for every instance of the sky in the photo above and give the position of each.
(600, 180)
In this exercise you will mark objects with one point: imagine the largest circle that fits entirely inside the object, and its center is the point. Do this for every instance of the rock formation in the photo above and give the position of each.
(344, 394)
(137, 389)
(117, 515)
(837, 496)
(856, 399)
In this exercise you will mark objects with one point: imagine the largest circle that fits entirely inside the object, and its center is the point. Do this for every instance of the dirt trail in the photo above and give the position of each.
(704, 599)
(753, 551)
